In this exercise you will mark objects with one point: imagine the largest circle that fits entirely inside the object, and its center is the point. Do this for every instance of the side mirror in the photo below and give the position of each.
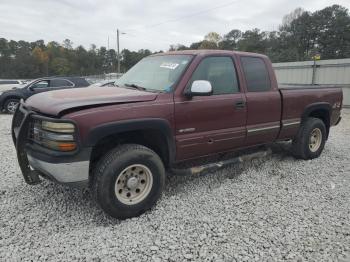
(201, 88)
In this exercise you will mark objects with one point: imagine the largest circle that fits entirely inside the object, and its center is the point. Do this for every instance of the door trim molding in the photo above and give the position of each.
(262, 129)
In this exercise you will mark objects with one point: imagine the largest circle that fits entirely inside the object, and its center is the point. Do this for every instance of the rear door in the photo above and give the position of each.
(215, 123)
(263, 101)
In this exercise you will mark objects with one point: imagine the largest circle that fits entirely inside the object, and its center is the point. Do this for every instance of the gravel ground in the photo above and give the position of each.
(271, 209)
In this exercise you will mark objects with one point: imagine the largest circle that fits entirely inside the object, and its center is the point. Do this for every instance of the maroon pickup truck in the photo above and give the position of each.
(167, 109)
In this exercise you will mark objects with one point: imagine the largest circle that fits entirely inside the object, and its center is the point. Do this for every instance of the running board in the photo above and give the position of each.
(212, 167)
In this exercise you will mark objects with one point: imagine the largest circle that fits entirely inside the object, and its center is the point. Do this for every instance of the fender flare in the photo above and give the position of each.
(319, 106)
(316, 106)
(113, 128)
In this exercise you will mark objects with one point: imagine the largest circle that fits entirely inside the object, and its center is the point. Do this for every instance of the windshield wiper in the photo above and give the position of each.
(136, 87)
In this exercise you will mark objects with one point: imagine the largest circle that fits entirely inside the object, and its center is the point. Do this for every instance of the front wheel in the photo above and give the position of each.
(11, 105)
(311, 139)
(128, 181)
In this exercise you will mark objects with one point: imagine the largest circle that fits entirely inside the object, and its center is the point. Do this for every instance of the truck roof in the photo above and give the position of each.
(208, 52)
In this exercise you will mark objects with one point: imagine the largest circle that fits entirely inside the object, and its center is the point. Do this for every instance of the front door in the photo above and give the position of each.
(215, 123)
(40, 86)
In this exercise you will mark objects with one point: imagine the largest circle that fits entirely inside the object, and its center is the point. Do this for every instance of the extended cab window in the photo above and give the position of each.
(256, 74)
(220, 72)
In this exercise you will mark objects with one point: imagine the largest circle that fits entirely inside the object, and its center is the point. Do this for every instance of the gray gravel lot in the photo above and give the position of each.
(271, 209)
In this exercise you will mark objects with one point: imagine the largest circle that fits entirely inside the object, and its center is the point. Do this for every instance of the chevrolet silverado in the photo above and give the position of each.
(167, 109)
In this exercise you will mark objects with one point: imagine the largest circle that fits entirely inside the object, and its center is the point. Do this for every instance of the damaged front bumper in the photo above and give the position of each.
(36, 161)
(74, 172)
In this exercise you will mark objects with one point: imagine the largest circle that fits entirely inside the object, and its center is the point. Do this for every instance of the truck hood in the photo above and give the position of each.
(55, 102)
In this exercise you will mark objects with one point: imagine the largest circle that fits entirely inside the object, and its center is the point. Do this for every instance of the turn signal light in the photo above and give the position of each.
(67, 146)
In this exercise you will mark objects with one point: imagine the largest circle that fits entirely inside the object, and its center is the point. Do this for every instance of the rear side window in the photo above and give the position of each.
(60, 83)
(220, 72)
(256, 74)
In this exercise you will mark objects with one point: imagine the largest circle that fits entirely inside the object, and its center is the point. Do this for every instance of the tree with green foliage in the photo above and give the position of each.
(300, 35)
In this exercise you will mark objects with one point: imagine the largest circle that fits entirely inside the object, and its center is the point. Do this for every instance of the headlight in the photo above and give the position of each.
(58, 127)
(54, 135)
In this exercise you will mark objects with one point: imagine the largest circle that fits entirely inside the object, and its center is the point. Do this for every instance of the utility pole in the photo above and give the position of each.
(118, 53)
(316, 57)
(118, 56)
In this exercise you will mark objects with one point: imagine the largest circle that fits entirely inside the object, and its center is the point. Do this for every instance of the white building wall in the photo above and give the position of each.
(328, 72)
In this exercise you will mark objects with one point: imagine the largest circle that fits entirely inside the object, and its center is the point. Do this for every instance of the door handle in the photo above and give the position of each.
(239, 104)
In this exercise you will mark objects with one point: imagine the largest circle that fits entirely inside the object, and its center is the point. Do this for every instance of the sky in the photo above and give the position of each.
(151, 24)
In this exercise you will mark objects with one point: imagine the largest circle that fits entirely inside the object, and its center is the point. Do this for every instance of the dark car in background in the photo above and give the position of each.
(109, 82)
(9, 99)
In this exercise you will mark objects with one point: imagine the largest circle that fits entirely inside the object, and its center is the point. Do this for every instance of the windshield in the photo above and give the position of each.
(155, 73)
(29, 82)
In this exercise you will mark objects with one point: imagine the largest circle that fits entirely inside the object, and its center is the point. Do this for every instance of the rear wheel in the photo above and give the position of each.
(311, 139)
(128, 181)
(11, 105)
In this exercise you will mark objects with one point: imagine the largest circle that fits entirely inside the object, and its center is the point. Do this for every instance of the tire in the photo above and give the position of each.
(305, 145)
(115, 177)
(10, 105)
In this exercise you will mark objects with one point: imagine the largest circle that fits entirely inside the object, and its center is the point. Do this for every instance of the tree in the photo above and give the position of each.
(178, 47)
(233, 35)
(289, 18)
(68, 44)
(60, 66)
(332, 25)
(213, 37)
(253, 41)
(229, 41)
(208, 45)
(42, 58)
(130, 58)
(195, 45)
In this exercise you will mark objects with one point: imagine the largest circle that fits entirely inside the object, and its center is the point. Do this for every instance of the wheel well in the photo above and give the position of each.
(322, 114)
(11, 97)
(151, 138)
(8, 98)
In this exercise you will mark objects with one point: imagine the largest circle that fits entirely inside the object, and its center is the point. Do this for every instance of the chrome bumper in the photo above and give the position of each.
(74, 172)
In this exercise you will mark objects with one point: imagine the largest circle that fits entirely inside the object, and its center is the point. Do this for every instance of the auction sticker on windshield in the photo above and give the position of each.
(171, 66)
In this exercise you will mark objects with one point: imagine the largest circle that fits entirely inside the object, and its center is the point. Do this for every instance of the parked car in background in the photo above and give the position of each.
(6, 84)
(109, 82)
(10, 98)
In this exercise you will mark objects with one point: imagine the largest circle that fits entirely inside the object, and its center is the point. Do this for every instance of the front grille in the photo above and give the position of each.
(31, 122)
(34, 127)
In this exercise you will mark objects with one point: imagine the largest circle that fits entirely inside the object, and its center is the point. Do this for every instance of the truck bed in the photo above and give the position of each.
(297, 100)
